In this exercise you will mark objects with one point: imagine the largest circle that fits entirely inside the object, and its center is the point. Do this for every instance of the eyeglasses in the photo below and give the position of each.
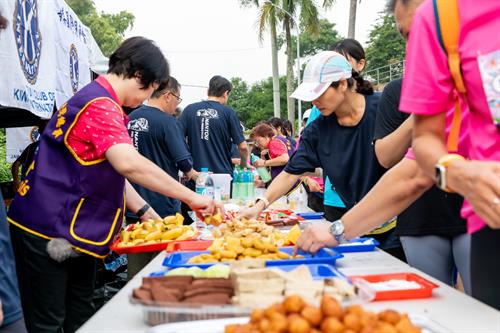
(179, 100)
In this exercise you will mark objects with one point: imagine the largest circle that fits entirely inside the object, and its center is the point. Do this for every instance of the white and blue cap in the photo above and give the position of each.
(323, 69)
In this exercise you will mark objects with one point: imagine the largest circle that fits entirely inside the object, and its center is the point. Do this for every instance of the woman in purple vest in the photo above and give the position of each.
(71, 204)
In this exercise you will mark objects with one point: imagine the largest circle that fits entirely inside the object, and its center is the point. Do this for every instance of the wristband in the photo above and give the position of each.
(264, 200)
(441, 169)
(143, 210)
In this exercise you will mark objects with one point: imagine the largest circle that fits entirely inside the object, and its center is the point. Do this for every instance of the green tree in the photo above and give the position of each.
(312, 44)
(108, 29)
(385, 44)
(5, 174)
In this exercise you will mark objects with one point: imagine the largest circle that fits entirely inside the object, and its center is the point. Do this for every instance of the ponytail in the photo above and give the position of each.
(363, 86)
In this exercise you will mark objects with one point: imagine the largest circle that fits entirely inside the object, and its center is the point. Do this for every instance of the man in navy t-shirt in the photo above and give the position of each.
(211, 127)
(158, 136)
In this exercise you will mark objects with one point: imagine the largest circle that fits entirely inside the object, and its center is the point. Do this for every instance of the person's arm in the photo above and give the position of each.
(136, 202)
(394, 192)
(312, 184)
(139, 170)
(392, 148)
(476, 181)
(279, 187)
(243, 149)
(277, 161)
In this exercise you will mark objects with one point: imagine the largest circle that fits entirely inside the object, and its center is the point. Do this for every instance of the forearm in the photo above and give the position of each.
(134, 200)
(279, 187)
(277, 161)
(429, 142)
(393, 193)
(392, 148)
(243, 149)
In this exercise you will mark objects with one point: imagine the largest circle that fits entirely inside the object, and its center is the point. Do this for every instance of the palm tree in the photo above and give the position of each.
(309, 21)
(267, 20)
(352, 18)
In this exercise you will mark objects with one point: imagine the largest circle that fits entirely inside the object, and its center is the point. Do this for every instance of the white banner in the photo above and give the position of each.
(43, 55)
(18, 139)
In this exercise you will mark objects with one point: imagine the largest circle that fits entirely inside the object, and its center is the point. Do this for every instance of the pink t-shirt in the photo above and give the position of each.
(428, 87)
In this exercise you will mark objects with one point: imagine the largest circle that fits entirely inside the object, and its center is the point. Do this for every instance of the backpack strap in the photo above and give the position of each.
(448, 30)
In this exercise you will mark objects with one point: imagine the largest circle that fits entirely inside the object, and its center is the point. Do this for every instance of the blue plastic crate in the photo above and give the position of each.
(324, 256)
(311, 215)
(360, 244)
(318, 271)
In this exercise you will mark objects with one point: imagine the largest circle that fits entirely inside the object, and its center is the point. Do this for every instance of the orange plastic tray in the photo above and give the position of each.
(191, 245)
(424, 292)
(145, 247)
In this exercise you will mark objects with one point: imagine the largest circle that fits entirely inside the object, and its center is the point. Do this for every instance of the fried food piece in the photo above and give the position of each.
(330, 307)
(331, 325)
(299, 325)
(251, 252)
(406, 326)
(293, 304)
(256, 315)
(389, 316)
(279, 322)
(352, 321)
(312, 314)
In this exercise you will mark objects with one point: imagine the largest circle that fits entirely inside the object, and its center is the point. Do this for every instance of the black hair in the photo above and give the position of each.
(391, 4)
(172, 85)
(218, 85)
(350, 47)
(275, 122)
(140, 56)
(3, 22)
(287, 126)
(363, 86)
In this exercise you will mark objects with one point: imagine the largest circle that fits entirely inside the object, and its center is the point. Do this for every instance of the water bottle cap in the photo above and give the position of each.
(204, 169)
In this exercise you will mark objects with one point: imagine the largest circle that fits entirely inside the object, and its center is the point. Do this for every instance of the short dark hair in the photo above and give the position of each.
(218, 85)
(363, 86)
(140, 56)
(262, 130)
(391, 4)
(275, 122)
(172, 85)
(350, 47)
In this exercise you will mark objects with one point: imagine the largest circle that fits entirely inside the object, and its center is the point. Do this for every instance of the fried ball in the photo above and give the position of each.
(368, 319)
(264, 325)
(406, 326)
(389, 316)
(331, 325)
(330, 307)
(313, 330)
(312, 314)
(352, 321)
(356, 309)
(383, 327)
(256, 315)
(298, 325)
(275, 308)
(293, 304)
(279, 322)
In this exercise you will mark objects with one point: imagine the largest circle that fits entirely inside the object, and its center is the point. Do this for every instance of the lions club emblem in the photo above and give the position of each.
(73, 68)
(28, 37)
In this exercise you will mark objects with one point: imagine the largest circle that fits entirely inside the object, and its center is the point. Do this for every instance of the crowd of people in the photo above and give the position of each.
(395, 165)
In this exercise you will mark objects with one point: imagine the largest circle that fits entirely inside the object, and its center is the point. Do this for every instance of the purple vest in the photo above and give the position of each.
(63, 196)
(276, 170)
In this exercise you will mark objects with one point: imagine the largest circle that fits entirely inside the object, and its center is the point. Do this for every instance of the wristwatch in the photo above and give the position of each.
(143, 210)
(337, 230)
(441, 170)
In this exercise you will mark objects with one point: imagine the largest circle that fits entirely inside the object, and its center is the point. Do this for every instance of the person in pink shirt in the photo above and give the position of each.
(428, 90)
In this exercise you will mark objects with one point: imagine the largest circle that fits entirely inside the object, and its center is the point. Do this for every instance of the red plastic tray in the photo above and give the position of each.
(424, 292)
(145, 248)
(191, 245)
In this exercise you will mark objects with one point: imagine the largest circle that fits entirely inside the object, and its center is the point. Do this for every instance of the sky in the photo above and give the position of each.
(203, 38)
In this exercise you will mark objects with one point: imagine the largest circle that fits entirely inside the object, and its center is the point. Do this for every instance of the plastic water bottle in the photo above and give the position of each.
(250, 188)
(205, 184)
(263, 172)
(236, 186)
(242, 179)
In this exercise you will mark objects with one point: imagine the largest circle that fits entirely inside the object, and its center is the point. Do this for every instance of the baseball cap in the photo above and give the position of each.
(323, 69)
(306, 114)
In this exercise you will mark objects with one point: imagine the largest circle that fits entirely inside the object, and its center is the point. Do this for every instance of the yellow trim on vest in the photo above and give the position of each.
(20, 226)
(79, 160)
(384, 228)
(87, 241)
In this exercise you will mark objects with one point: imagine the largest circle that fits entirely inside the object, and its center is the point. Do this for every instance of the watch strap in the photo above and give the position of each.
(441, 170)
(143, 210)
(264, 200)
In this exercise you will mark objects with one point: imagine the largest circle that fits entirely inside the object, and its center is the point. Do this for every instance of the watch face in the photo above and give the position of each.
(337, 228)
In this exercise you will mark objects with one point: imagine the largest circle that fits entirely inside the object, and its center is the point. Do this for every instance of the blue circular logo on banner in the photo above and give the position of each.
(28, 37)
(74, 72)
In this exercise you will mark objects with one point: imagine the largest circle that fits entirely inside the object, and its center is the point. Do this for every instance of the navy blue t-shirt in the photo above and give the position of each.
(158, 136)
(9, 292)
(346, 154)
(211, 128)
